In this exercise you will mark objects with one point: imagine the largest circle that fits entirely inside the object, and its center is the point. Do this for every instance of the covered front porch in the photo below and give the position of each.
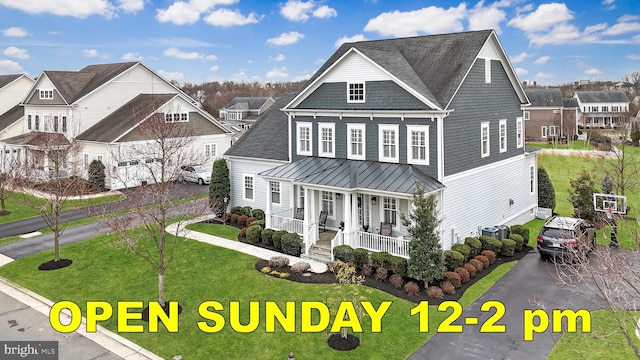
(348, 202)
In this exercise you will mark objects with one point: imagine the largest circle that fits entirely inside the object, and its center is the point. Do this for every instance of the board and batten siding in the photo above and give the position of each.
(481, 198)
(240, 167)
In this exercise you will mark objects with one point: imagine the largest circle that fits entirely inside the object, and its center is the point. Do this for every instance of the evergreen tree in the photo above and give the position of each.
(219, 187)
(546, 193)
(582, 197)
(96, 175)
(607, 184)
(426, 261)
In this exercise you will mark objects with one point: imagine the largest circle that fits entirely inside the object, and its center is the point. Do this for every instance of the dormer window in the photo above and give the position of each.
(176, 117)
(46, 94)
(355, 93)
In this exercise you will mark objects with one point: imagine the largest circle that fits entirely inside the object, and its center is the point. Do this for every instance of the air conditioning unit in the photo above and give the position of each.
(492, 231)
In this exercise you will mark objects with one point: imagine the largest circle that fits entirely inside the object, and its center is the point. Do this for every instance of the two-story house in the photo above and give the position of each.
(379, 119)
(97, 108)
(602, 109)
(13, 89)
(241, 113)
(547, 119)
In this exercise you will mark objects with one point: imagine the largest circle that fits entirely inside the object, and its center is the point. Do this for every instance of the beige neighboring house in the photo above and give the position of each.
(543, 119)
(13, 89)
(242, 112)
(97, 107)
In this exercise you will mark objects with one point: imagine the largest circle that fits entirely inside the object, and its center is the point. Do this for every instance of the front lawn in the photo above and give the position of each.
(224, 231)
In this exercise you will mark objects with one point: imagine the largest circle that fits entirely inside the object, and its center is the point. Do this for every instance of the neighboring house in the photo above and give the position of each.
(550, 116)
(601, 109)
(97, 106)
(13, 89)
(381, 118)
(241, 113)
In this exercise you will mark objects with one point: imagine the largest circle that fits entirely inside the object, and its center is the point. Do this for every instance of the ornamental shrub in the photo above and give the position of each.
(291, 244)
(382, 274)
(489, 243)
(243, 232)
(242, 220)
(234, 218)
(463, 249)
(435, 292)
(546, 193)
(96, 175)
(477, 264)
(245, 210)
(464, 274)
(483, 259)
(490, 255)
(251, 220)
(453, 259)
(396, 280)
(276, 238)
(343, 253)
(236, 210)
(447, 287)
(367, 270)
(519, 241)
(522, 231)
(253, 234)
(454, 278)
(411, 288)
(471, 269)
(475, 246)
(508, 247)
(256, 222)
(381, 259)
(258, 214)
(267, 236)
(399, 265)
(360, 257)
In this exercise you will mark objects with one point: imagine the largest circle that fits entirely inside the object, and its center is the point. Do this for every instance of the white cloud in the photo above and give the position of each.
(226, 18)
(622, 28)
(593, 71)
(277, 58)
(543, 18)
(211, 57)
(519, 58)
(277, 73)
(560, 34)
(348, 39)
(544, 76)
(295, 10)
(75, 8)
(303, 76)
(489, 17)
(627, 18)
(176, 75)
(176, 53)
(90, 53)
(214, 68)
(16, 52)
(14, 32)
(427, 20)
(609, 4)
(325, 12)
(287, 38)
(179, 13)
(521, 71)
(132, 56)
(9, 67)
(542, 60)
(633, 56)
(131, 6)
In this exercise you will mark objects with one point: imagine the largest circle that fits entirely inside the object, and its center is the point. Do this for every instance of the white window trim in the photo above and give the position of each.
(532, 179)
(86, 160)
(382, 209)
(271, 183)
(300, 125)
(213, 153)
(419, 128)
(350, 154)
(544, 132)
(364, 93)
(502, 125)
(487, 71)
(381, 157)
(332, 127)
(485, 125)
(519, 133)
(331, 215)
(553, 131)
(244, 187)
(526, 115)
(46, 91)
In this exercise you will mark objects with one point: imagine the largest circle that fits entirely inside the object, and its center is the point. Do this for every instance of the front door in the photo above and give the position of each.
(364, 211)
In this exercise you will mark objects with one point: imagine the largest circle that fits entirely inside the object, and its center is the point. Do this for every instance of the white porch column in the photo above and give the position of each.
(346, 203)
(306, 221)
(267, 210)
(45, 163)
(355, 224)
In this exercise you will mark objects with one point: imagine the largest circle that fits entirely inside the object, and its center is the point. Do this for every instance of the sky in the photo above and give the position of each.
(272, 41)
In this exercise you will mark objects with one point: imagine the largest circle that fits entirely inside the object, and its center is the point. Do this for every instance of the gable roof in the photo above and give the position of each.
(570, 102)
(8, 79)
(39, 139)
(601, 96)
(246, 103)
(268, 137)
(11, 116)
(541, 97)
(126, 117)
(433, 65)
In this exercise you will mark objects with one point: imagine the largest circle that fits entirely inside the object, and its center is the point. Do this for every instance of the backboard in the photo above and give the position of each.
(604, 202)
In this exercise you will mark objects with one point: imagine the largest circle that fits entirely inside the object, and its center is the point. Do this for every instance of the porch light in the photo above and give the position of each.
(374, 200)
(338, 196)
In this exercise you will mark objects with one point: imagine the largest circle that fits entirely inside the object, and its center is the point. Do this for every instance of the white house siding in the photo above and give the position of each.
(13, 93)
(12, 130)
(356, 68)
(240, 167)
(481, 198)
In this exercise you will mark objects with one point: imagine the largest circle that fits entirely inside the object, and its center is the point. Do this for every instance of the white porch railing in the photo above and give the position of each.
(373, 242)
(284, 221)
(308, 236)
(336, 241)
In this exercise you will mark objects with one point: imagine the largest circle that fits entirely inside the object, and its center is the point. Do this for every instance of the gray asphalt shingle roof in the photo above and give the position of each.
(246, 103)
(268, 137)
(570, 102)
(601, 96)
(541, 97)
(7, 79)
(11, 116)
(355, 175)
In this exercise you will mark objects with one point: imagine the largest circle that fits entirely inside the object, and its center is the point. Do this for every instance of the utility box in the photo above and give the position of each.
(490, 231)
(503, 232)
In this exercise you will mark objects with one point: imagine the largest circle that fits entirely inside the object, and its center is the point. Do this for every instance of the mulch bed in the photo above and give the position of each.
(329, 278)
(55, 265)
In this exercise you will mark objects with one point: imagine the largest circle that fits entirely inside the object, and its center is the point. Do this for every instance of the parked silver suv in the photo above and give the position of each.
(565, 236)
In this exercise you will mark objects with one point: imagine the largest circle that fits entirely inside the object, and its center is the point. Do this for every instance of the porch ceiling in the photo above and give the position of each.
(355, 175)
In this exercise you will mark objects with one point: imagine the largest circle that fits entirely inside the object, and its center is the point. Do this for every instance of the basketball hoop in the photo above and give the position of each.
(609, 212)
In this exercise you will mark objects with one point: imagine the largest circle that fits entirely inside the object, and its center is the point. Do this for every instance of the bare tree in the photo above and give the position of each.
(633, 81)
(622, 167)
(9, 177)
(154, 159)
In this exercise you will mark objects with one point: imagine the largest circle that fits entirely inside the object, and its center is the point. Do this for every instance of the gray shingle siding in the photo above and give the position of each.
(477, 102)
(379, 95)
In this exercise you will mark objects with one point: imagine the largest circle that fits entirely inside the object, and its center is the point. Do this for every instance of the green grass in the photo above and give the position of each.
(223, 231)
(575, 145)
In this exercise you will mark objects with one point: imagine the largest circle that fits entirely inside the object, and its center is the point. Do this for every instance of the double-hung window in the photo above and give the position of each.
(418, 144)
(553, 131)
(519, 133)
(355, 92)
(248, 187)
(304, 138)
(46, 94)
(502, 125)
(275, 191)
(328, 204)
(485, 145)
(544, 132)
(356, 141)
(389, 210)
(210, 150)
(388, 143)
(326, 139)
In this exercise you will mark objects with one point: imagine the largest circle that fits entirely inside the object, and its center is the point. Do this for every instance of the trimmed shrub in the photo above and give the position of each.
(236, 210)
(396, 280)
(291, 244)
(519, 241)
(447, 287)
(300, 267)
(453, 259)
(399, 265)
(256, 222)
(382, 274)
(464, 274)
(484, 260)
(411, 288)
(490, 255)
(476, 264)
(489, 243)
(242, 220)
(367, 270)
(243, 232)
(454, 278)
(381, 259)
(251, 219)
(245, 210)
(234, 218)
(435, 292)
(343, 253)
(360, 257)
(475, 246)
(470, 269)
(277, 237)
(508, 247)
(258, 214)
(267, 236)
(253, 234)
(278, 261)
(463, 249)
(522, 231)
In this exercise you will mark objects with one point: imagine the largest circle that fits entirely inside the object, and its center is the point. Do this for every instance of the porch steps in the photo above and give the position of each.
(318, 253)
